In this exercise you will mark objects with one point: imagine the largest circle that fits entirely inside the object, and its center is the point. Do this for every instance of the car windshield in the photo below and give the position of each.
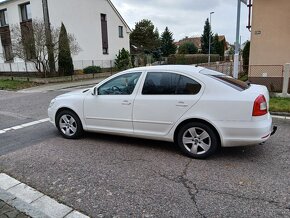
(232, 82)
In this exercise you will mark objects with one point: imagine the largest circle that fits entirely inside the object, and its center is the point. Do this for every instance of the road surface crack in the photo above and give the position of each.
(190, 186)
(276, 203)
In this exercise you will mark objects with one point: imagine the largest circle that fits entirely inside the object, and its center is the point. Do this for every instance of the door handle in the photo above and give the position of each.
(126, 103)
(181, 104)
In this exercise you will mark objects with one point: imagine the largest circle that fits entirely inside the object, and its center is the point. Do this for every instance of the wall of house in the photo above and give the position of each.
(270, 36)
(14, 15)
(82, 19)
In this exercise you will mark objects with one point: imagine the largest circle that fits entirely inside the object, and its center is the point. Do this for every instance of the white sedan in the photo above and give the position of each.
(198, 109)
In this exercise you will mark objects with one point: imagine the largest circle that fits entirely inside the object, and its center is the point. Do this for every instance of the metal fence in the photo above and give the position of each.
(268, 75)
(225, 67)
(29, 69)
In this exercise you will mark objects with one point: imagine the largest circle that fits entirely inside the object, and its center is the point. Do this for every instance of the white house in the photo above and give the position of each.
(97, 26)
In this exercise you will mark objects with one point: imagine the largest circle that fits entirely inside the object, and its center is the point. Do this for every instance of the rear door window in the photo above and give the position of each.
(164, 83)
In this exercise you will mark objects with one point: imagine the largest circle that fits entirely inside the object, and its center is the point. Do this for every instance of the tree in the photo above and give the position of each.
(246, 56)
(123, 60)
(144, 37)
(167, 43)
(65, 62)
(29, 44)
(187, 48)
(218, 46)
(207, 34)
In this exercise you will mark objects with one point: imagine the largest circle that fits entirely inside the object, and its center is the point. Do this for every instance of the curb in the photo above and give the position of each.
(20, 205)
(283, 114)
(32, 202)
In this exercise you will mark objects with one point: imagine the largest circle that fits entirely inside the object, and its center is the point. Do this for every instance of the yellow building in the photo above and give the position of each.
(270, 42)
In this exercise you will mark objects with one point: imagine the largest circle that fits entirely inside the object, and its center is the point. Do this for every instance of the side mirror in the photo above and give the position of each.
(94, 91)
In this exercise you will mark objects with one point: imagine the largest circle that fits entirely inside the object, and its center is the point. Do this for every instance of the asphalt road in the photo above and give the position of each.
(110, 176)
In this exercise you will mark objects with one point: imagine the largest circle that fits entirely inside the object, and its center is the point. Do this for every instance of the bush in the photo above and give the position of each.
(92, 69)
(187, 48)
(192, 59)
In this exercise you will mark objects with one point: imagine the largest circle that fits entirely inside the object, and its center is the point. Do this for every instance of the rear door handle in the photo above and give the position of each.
(181, 104)
(126, 102)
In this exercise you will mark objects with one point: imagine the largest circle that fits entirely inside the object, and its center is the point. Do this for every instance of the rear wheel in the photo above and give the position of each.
(69, 124)
(197, 140)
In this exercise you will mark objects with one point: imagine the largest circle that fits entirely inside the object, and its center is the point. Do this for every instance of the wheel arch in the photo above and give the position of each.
(66, 109)
(200, 121)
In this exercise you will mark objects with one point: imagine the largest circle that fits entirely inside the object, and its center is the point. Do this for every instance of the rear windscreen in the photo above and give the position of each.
(232, 82)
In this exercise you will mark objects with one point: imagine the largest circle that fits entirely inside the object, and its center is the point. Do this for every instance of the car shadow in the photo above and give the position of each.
(133, 142)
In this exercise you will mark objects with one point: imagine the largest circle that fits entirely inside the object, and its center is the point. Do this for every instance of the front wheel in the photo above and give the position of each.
(197, 140)
(69, 124)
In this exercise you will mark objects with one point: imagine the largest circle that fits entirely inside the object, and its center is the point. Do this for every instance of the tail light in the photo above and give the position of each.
(260, 106)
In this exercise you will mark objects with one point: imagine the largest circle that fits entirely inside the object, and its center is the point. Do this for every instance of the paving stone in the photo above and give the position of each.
(25, 193)
(7, 182)
(76, 214)
(51, 207)
(6, 208)
(13, 213)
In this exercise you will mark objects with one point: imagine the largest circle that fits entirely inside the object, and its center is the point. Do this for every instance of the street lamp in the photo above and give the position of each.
(209, 37)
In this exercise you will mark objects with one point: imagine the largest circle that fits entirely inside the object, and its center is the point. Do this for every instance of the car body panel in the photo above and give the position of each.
(228, 110)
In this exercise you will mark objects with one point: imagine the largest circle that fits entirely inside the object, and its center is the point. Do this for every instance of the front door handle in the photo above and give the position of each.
(126, 103)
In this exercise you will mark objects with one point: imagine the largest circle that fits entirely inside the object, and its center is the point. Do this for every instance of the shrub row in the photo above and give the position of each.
(191, 58)
(92, 69)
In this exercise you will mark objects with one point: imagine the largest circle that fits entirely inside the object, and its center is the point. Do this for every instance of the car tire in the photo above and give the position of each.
(197, 140)
(69, 124)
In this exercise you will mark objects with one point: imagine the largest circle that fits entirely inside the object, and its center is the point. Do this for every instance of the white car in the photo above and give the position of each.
(198, 109)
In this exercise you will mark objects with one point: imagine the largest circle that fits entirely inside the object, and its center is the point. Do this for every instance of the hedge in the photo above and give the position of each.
(191, 59)
(92, 69)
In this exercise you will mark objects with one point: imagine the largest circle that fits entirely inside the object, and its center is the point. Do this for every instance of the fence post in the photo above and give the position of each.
(286, 79)
(10, 71)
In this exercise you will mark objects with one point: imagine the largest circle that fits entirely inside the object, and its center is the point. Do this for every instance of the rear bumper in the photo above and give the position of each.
(253, 132)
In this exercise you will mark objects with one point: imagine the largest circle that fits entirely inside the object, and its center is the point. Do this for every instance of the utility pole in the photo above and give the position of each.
(209, 38)
(237, 43)
(49, 45)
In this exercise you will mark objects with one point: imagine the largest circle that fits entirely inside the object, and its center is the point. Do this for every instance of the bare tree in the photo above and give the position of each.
(29, 44)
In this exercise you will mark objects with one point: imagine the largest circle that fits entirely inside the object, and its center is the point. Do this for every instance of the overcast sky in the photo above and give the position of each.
(186, 17)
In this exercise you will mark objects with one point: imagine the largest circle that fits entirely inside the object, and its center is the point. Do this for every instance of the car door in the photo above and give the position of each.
(111, 108)
(162, 101)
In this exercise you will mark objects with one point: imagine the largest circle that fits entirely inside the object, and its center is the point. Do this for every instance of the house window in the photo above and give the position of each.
(121, 34)
(3, 18)
(25, 11)
(104, 26)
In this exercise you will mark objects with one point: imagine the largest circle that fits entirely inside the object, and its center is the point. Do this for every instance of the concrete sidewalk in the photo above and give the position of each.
(10, 212)
(60, 86)
(20, 200)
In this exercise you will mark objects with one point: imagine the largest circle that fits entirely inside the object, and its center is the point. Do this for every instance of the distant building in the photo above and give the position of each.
(197, 42)
(97, 26)
(270, 47)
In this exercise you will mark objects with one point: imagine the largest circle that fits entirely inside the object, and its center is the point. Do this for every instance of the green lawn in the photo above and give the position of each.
(15, 85)
(280, 104)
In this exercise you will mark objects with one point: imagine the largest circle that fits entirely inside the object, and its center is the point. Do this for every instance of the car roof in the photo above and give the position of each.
(188, 69)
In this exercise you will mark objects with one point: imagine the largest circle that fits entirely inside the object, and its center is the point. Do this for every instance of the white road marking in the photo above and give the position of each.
(281, 117)
(23, 125)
